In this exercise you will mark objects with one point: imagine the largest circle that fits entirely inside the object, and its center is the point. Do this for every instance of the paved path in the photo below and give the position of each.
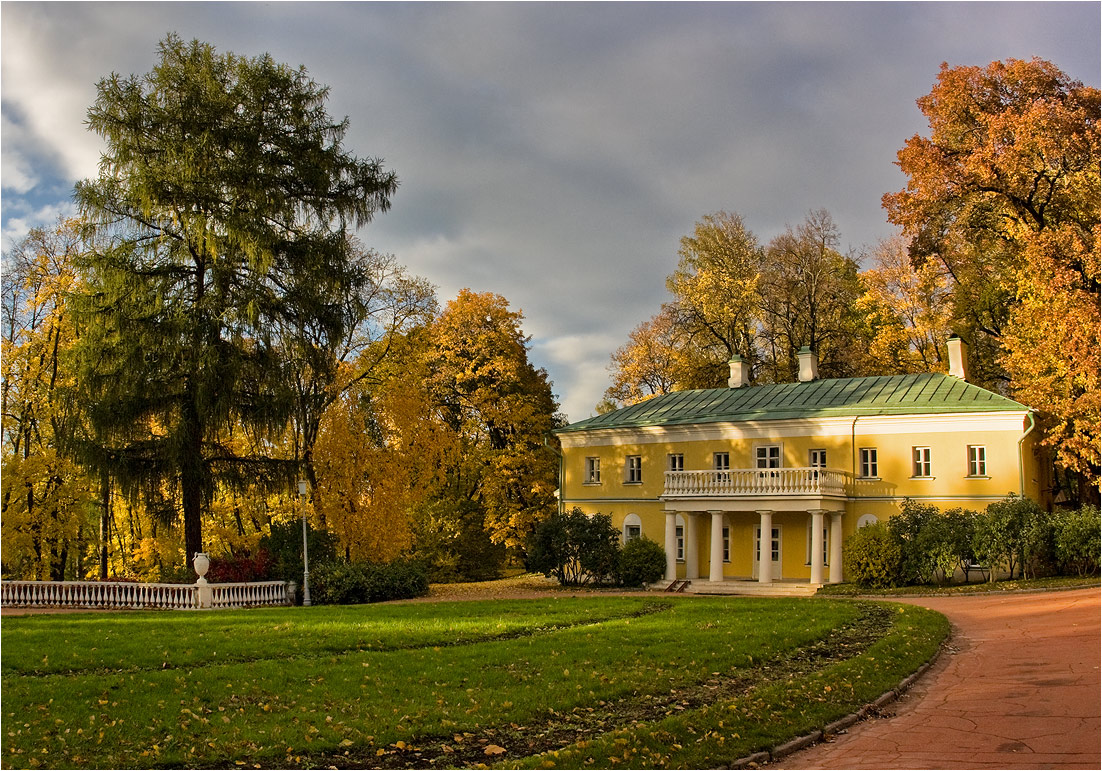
(1019, 688)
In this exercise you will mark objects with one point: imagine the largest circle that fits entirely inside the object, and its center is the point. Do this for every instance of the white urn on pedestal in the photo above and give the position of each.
(201, 563)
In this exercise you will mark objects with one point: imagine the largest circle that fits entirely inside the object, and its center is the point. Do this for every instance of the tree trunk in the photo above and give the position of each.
(104, 522)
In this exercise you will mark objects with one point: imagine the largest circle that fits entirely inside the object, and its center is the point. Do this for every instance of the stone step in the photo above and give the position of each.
(753, 588)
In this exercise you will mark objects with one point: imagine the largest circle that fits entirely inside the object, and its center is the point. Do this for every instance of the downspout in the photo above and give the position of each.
(547, 445)
(1021, 455)
(853, 448)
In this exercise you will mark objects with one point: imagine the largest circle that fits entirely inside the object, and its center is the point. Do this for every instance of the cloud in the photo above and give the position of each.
(556, 152)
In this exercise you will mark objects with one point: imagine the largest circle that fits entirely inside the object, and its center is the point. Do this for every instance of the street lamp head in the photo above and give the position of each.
(303, 487)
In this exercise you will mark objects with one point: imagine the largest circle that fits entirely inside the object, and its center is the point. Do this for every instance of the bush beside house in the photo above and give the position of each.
(924, 545)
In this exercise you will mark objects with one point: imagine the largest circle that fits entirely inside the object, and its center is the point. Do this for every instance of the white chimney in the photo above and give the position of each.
(958, 358)
(809, 365)
(740, 372)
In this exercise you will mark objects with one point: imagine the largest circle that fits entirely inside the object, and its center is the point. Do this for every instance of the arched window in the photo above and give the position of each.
(633, 528)
(866, 519)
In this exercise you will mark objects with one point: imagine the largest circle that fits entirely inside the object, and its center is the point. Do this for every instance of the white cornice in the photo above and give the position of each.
(1012, 421)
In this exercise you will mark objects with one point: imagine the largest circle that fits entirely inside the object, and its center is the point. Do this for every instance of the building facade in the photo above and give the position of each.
(766, 482)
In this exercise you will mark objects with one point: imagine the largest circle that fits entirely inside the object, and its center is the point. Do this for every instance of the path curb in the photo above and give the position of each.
(872, 709)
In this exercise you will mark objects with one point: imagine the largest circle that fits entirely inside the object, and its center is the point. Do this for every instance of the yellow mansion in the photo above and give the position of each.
(766, 482)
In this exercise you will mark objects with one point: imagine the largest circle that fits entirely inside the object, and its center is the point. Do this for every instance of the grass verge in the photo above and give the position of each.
(449, 684)
(1019, 585)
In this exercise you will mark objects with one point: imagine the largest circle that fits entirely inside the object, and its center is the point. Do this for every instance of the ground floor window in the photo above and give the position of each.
(680, 543)
(726, 544)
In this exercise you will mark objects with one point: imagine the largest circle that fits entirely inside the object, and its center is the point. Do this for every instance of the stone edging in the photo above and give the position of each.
(869, 710)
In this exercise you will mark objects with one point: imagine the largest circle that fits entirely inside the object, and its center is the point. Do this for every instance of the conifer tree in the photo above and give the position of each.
(223, 205)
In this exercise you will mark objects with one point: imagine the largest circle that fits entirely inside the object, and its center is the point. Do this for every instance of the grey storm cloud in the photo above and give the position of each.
(556, 152)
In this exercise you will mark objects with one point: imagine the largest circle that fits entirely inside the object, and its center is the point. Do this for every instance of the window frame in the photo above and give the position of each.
(633, 470)
(679, 539)
(773, 453)
(675, 461)
(817, 458)
(592, 470)
(921, 463)
(869, 463)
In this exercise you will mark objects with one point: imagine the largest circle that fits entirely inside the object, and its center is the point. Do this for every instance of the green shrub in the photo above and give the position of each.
(1077, 540)
(642, 562)
(354, 583)
(575, 548)
(1002, 533)
(873, 557)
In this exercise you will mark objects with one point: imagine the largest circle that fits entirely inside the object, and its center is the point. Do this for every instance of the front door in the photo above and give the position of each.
(774, 548)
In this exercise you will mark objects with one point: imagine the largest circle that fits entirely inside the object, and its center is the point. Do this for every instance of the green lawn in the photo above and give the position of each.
(565, 681)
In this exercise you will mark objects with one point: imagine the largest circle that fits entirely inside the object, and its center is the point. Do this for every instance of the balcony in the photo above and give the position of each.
(755, 483)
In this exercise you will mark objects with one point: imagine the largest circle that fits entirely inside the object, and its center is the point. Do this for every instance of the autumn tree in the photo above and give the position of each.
(716, 296)
(807, 291)
(324, 363)
(502, 411)
(908, 310)
(47, 499)
(1004, 194)
(224, 200)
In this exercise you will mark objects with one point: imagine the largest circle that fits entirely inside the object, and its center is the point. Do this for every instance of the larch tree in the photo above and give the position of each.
(1005, 194)
(223, 204)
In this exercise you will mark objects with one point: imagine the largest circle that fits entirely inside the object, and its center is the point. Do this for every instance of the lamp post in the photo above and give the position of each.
(303, 488)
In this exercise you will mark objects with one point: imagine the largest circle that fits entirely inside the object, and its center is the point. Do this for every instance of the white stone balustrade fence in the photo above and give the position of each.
(121, 595)
(729, 483)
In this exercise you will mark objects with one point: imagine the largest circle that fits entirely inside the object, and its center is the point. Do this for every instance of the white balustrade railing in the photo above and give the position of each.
(124, 595)
(251, 594)
(733, 483)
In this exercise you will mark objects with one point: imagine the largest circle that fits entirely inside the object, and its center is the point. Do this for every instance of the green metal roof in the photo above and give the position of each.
(883, 395)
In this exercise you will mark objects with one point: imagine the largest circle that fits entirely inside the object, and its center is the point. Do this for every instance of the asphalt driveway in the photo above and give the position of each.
(1019, 688)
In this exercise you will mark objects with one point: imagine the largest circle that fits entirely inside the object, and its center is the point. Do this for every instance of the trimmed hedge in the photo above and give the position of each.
(355, 583)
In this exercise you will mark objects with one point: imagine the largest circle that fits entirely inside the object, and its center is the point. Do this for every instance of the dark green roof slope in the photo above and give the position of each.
(883, 395)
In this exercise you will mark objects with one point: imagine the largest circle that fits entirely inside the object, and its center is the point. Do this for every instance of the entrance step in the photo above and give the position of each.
(755, 589)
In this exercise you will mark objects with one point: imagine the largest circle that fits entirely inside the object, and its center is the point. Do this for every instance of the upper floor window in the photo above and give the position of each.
(768, 456)
(921, 461)
(633, 472)
(676, 461)
(817, 459)
(721, 461)
(592, 471)
(869, 468)
(977, 460)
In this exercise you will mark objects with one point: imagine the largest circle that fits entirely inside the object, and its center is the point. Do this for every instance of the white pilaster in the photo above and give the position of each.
(671, 546)
(816, 546)
(835, 547)
(765, 548)
(692, 550)
(715, 566)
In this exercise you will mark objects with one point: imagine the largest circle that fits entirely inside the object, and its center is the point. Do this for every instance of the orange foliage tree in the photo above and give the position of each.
(1004, 194)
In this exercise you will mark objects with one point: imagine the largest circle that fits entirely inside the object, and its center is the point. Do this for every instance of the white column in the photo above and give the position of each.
(671, 546)
(835, 547)
(817, 546)
(765, 548)
(715, 568)
(692, 551)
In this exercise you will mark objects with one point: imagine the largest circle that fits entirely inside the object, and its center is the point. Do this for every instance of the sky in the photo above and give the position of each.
(554, 153)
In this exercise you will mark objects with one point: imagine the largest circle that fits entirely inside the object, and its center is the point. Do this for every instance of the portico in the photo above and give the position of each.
(757, 504)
